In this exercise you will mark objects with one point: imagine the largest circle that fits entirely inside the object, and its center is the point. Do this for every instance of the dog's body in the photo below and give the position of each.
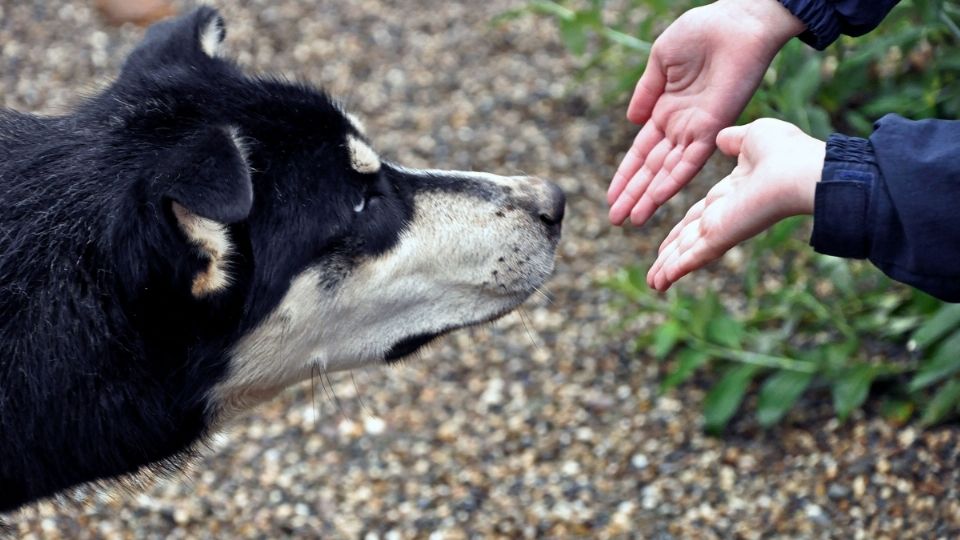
(192, 241)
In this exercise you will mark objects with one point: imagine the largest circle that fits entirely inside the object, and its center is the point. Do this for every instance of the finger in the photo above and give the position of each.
(699, 255)
(660, 281)
(692, 160)
(649, 89)
(730, 140)
(655, 271)
(687, 238)
(694, 213)
(645, 141)
(624, 204)
(666, 250)
(647, 205)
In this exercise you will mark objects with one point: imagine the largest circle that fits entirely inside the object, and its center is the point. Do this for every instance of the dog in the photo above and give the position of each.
(192, 240)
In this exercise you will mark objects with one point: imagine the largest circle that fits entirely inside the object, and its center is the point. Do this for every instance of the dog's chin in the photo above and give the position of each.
(409, 345)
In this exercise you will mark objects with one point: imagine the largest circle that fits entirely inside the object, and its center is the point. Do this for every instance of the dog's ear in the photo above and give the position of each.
(189, 38)
(207, 174)
(206, 182)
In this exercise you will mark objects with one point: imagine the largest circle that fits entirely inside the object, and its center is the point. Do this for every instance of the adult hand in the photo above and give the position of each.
(701, 73)
(777, 171)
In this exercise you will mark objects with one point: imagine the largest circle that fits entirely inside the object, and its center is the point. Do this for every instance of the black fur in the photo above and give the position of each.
(106, 358)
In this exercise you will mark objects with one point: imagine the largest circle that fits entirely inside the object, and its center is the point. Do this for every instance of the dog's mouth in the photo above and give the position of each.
(407, 346)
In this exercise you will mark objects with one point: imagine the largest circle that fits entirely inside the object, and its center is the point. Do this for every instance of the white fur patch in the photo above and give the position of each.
(210, 238)
(211, 36)
(356, 123)
(363, 159)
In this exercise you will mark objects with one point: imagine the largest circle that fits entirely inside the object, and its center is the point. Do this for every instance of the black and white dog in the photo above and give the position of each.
(192, 240)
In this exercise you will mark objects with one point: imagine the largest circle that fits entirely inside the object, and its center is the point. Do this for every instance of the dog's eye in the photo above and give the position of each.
(360, 205)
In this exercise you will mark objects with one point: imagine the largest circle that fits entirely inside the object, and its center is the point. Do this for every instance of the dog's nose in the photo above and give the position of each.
(553, 205)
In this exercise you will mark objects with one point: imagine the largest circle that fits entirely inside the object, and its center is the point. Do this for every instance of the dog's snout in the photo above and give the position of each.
(553, 205)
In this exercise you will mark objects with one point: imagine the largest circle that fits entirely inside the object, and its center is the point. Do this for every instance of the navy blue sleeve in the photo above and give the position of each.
(827, 19)
(895, 199)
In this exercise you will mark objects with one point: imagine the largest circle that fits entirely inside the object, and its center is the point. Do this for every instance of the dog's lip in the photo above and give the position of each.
(411, 344)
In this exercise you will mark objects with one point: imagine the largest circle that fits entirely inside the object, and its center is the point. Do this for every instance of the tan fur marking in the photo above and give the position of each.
(211, 238)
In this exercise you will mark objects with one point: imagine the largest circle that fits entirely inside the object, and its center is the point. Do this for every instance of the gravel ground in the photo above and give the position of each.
(544, 425)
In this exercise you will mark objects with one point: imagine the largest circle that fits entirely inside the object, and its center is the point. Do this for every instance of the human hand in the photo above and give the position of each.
(777, 171)
(701, 73)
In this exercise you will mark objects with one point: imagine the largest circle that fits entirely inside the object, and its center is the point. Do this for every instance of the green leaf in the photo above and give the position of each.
(552, 8)
(574, 36)
(725, 397)
(851, 389)
(688, 362)
(628, 41)
(944, 363)
(725, 331)
(944, 321)
(897, 411)
(636, 278)
(665, 338)
(943, 402)
(702, 313)
(778, 394)
(782, 232)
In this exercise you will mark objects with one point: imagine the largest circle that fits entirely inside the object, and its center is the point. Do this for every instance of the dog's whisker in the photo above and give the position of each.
(543, 294)
(356, 388)
(314, 369)
(523, 320)
(323, 384)
(333, 392)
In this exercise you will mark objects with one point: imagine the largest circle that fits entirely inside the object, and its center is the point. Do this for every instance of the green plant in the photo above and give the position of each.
(909, 65)
(796, 321)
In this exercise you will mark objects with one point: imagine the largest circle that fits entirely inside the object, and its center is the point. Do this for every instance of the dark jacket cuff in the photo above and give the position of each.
(823, 25)
(842, 201)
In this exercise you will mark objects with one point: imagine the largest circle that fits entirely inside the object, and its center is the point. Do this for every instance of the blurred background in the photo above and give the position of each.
(777, 395)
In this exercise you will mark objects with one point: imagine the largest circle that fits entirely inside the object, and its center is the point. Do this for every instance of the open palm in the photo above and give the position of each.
(701, 73)
(778, 167)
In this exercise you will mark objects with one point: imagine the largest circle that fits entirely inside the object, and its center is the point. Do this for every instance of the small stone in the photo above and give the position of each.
(838, 491)
(816, 514)
(374, 425)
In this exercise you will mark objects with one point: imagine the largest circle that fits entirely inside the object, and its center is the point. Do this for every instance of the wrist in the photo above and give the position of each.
(805, 188)
(774, 22)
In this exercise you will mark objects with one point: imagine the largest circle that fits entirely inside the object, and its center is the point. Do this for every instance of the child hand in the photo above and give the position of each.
(702, 71)
(778, 167)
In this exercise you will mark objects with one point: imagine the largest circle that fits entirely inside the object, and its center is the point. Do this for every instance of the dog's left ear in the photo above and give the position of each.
(207, 174)
(185, 39)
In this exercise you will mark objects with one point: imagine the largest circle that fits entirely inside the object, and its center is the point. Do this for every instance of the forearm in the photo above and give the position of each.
(893, 199)
(772, 20)
(825, 20)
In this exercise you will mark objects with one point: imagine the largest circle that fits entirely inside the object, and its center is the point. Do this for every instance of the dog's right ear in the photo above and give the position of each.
(207, 174)
(205, 182)
(190, 38)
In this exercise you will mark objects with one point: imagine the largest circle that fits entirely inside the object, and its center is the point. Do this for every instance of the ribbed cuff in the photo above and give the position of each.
(823, 26)
(842, 202)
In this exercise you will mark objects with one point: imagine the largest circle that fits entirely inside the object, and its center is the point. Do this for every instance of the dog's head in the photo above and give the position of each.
(294, 242)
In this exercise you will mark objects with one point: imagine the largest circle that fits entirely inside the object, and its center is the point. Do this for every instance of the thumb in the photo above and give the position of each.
(649, 89)
(730, 140)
